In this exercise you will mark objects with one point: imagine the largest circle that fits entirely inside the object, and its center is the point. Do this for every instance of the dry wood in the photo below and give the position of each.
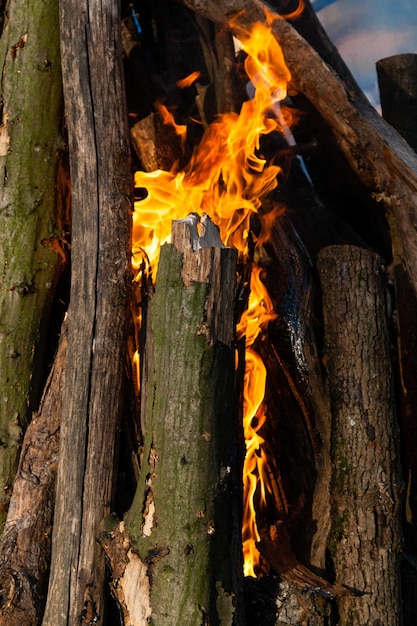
(100, 171)
(379, 156)
(26, 542)
(365, 542)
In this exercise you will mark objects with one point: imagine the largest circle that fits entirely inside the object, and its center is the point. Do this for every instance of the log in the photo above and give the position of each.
(31, 253)
(397, 81)
(365, 541)
(25, 546)
(183, 528)
(378, 155)
(101, 181)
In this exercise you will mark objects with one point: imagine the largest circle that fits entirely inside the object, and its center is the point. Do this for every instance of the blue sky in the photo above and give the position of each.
(368, 30)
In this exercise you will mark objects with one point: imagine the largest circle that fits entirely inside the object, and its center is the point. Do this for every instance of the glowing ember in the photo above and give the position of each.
(227, 179)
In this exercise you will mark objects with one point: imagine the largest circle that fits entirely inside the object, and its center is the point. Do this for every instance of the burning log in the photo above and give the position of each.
(181, 521)
(365, 540)
(25, 546)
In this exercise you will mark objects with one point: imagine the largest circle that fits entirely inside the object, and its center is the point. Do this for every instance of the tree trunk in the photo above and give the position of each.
(365, 539)
(100, 172)
(30, 248)
(183, 522)
(25, 547)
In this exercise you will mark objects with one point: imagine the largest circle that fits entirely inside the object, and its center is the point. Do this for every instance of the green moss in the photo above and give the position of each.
(336, 532)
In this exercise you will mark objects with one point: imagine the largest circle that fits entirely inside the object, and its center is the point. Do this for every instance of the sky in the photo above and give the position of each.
(366, 31)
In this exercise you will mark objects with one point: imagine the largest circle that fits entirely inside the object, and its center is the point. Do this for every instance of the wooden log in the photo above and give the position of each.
(365, 540)
(181, 522)
(378, 155)
(31, 255)
(100, 169)
(25, 546)
(397, 81)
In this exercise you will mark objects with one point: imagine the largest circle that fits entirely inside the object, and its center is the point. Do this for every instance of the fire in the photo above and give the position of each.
(226, 178)
(254, 320)
(188, 80)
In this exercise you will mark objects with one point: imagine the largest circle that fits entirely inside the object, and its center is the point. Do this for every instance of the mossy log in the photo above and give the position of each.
(365, 538)
(30, 248)
(183, 522)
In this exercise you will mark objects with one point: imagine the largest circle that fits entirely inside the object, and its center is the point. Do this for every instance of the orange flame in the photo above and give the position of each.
(254, 320)
(226, 178)
(168, 119)
(188, 80)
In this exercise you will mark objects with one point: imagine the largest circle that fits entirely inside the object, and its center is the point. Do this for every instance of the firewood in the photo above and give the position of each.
(365, 541)
(180, 523)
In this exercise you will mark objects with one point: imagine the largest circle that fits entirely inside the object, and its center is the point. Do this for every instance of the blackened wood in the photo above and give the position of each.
(184, 522)
(397, 80)
(25, 546)
(365, 540)
(100, 170)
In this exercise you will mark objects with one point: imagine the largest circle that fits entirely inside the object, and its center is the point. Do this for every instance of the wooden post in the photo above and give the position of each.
(365, 538)
(30, 249)
(397, 80)
(183, 522)
(100, 172)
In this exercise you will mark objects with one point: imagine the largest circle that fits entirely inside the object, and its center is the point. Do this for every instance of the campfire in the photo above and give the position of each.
(227, 331)
(226, 178)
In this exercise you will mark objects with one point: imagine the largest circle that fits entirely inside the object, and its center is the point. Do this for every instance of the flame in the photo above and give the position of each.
(226, 178)
(254, 320)
(188, 80)
(168, 119)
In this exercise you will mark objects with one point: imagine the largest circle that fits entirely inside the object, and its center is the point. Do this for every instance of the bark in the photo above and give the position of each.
(100, 172)
(183, 524)
(25, 546)
(381, 159)
(30, 248)
(365, 539)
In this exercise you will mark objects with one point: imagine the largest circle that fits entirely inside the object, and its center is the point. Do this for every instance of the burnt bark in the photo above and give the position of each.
(365, 540)
(100, 172)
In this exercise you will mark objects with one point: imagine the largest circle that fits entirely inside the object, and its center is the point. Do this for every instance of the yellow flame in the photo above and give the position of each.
(227, 177)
